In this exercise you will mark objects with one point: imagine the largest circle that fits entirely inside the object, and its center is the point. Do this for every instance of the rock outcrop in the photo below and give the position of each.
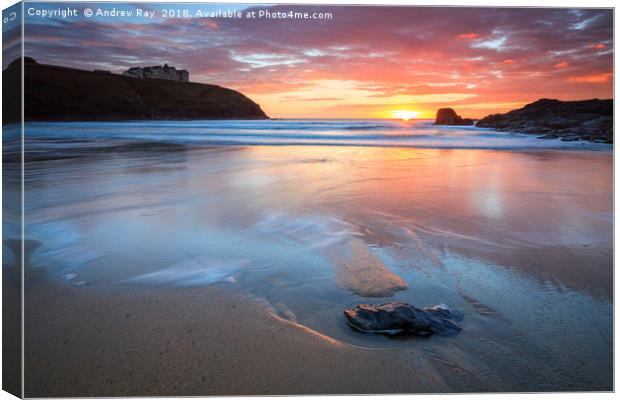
(402, 318)
(54, 93)
(552, 119)
(447, 116)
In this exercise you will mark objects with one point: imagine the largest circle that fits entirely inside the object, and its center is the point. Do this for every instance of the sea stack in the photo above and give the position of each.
(447, 116)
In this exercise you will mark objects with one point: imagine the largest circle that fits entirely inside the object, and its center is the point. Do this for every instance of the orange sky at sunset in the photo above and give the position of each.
(366, 62)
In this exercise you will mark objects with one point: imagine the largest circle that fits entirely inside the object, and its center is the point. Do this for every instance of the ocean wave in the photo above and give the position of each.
(380, 133)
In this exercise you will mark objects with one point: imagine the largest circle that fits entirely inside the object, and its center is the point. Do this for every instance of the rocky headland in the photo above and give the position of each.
(590, 120)
(55, 93)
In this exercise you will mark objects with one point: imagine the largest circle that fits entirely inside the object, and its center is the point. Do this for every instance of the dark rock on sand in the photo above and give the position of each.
(402, 318)
(568, 120)
(447, 116)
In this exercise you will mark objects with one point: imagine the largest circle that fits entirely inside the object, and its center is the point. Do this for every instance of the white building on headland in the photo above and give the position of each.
(158, 72)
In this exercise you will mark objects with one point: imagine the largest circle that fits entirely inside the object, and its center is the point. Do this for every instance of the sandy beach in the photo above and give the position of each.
(225, 269)
(203, 341)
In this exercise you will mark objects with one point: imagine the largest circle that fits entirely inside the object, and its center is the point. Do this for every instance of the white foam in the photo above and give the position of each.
(313, 230)
(192, 272)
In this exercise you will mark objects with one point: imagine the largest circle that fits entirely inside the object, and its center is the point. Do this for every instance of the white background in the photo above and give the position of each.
(496, 3)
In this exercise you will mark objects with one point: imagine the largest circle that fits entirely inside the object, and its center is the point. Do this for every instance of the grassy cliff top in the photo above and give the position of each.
(54, 93)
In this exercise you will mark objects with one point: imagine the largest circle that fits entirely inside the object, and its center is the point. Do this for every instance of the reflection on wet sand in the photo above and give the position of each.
(521, 242)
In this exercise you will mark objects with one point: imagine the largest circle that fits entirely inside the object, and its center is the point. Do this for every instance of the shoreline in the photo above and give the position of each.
(378, 133)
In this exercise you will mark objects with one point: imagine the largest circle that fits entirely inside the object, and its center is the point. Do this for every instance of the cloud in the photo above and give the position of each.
(500, 55)
(593, 78)
(468, 36)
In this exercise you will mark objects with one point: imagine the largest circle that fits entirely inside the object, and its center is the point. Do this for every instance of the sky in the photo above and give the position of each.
(363, 62)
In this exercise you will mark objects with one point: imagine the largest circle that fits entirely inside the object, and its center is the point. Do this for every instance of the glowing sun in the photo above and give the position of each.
(405, 115)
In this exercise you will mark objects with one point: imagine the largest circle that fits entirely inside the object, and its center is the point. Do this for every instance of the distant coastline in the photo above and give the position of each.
(56, 93)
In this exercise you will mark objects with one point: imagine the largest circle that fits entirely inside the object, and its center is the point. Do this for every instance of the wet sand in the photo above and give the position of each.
(361, 272)
(200, 341)
(225, 270)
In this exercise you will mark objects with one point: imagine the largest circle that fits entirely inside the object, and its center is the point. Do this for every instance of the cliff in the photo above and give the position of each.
(568, 120)
(54, 93)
